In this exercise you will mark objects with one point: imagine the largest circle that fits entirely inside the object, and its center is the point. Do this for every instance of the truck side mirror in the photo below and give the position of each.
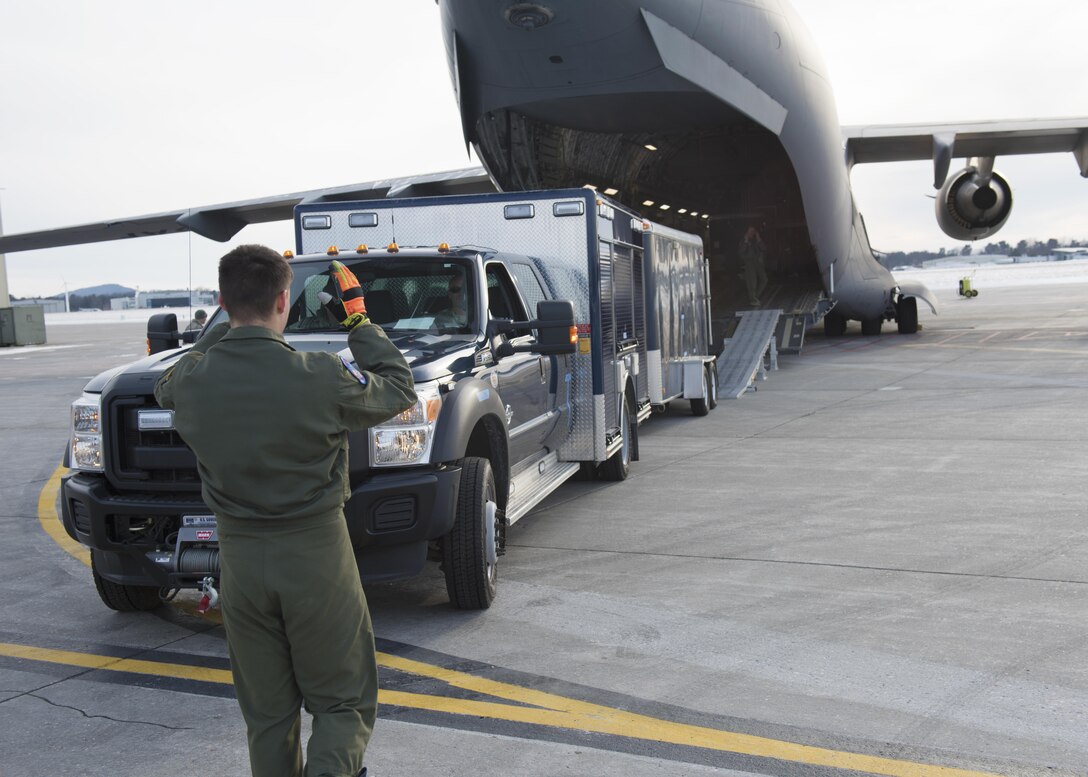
(555, 320)
(162, 333)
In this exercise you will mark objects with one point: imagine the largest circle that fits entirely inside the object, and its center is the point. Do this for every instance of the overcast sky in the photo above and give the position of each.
(121, 108)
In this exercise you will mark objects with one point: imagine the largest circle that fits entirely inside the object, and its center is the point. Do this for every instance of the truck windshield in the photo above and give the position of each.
(414, 294)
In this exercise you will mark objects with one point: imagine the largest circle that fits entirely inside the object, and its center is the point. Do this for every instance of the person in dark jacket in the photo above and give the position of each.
(753, 255)
(269, 427)
(199, 319)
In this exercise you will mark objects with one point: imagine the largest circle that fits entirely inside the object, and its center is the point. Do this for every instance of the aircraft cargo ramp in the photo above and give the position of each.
(754, 338)
(742, 359)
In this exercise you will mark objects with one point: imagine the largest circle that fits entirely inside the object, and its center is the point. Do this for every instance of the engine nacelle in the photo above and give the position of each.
(973, 204)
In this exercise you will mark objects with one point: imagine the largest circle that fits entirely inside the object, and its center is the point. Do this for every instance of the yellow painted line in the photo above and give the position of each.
(113, 664)
(547, 709)
(586, 716)
(50, 521)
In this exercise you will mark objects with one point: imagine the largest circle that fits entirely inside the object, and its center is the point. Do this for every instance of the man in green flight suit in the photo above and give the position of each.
(269, 428)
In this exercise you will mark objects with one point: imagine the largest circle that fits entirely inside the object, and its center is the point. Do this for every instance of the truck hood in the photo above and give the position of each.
(432, 357)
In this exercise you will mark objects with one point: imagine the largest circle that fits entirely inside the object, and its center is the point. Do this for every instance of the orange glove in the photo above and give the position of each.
(349, 308)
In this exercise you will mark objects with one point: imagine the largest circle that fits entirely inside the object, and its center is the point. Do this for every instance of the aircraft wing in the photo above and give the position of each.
(942, 142)
(222, 222)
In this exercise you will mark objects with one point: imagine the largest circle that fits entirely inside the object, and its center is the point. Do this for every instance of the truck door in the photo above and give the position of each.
(523, 378)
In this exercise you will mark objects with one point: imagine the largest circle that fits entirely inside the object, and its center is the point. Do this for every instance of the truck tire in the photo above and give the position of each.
(587, 471)
(619, 463)
(469, 564)
(702, 406)
(712, 382)
(125, 598)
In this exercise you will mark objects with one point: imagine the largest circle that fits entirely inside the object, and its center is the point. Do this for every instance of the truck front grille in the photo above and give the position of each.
(147, 459)
(141, 530)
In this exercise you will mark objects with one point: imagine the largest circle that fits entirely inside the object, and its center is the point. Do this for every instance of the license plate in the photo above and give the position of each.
(198, 520)
(155, 420)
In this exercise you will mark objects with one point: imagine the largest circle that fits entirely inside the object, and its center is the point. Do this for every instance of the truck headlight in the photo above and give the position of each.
(86, 446)
(406, 438)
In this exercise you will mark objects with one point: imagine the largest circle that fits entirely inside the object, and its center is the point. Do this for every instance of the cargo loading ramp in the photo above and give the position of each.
(742, 359)
(801, 302)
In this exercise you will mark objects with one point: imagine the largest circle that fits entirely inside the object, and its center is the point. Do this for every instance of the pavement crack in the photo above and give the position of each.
(795, 562)
(89, 716)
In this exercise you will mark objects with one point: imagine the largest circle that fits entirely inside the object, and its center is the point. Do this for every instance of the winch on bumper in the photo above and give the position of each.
(141, 539)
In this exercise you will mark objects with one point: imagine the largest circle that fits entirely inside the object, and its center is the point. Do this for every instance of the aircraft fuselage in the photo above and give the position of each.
(722, 111)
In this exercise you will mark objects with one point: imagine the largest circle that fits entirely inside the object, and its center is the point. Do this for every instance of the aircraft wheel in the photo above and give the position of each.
(618, 465)
(470, 548)
(871, 326)
(907, 319)
(834, 325)
(712, 375)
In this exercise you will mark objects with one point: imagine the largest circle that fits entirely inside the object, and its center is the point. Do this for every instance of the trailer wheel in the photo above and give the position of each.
(125, 598)
(712, 375)
(470, 548)
(702, 406)
(619, 463)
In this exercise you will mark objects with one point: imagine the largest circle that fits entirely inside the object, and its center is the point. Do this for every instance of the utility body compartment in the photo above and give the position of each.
(541, 327)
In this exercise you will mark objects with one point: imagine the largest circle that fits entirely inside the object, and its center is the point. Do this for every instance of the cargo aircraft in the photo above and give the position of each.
(713, 115)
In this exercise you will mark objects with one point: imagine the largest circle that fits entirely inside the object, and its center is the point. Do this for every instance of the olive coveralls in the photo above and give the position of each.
(269, 428)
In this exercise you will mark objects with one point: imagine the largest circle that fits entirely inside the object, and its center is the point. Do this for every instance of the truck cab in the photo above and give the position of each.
(488, 413)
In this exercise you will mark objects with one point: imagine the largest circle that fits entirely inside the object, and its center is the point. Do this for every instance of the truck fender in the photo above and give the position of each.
(462, 409)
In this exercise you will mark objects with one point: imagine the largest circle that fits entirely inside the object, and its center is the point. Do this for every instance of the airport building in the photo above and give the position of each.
(47, 305)
(166, 299)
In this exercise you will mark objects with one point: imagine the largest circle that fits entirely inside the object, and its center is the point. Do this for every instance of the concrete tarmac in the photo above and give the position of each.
(874, 564)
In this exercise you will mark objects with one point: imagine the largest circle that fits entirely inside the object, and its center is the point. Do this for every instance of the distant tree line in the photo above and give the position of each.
(1000, 248)
(84, 301)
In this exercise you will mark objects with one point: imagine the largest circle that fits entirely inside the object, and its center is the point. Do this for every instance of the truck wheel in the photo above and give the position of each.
(702, 406)
(619, 464)
(125, 598)
(712, 382)
(587, 471)
(470, 549)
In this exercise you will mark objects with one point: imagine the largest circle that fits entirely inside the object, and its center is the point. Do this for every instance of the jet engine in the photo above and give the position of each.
(975, 202)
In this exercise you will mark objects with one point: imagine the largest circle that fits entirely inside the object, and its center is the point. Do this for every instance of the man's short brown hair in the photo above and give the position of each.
(250, 278)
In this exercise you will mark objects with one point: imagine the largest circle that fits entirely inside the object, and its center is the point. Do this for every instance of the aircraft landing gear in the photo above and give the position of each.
(834, 325)
(870, 327)
(907, 315)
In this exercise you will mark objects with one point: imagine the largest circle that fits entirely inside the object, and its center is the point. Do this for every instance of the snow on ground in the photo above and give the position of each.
(999, 275)
(982, 275)
(84, 317)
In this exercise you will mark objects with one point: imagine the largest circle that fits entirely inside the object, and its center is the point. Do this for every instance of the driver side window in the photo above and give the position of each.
(503, 300)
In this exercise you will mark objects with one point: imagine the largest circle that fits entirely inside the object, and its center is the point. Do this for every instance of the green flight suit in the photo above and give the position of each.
(269, 428)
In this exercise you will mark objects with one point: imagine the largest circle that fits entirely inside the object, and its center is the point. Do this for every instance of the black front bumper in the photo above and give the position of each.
(391, 518)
